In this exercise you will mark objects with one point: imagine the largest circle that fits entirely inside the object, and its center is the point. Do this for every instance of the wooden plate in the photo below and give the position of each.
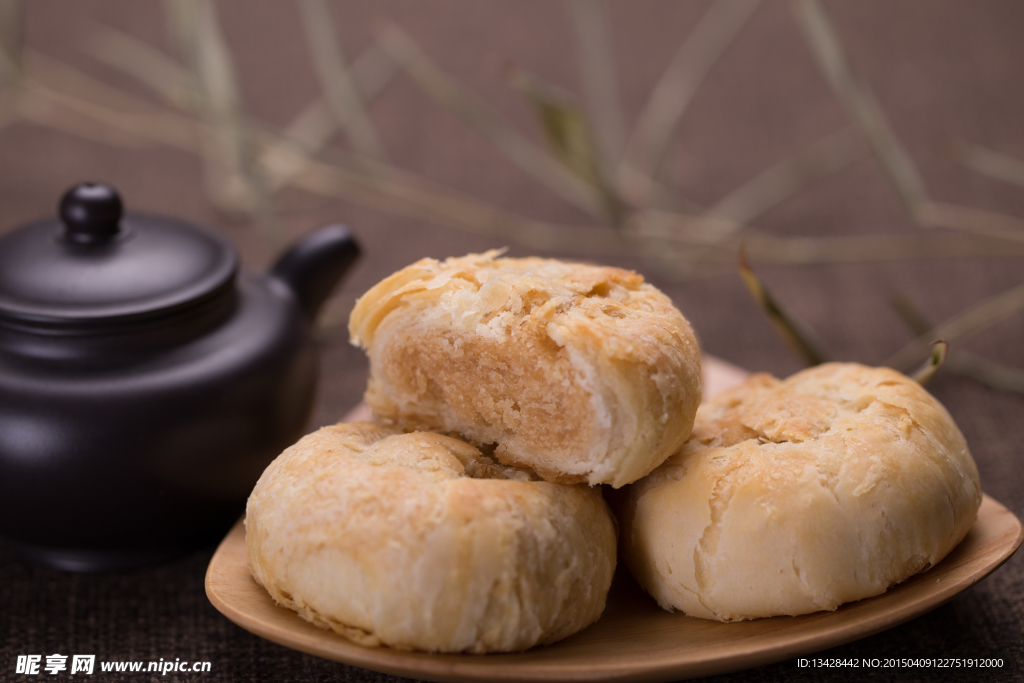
(634, 640)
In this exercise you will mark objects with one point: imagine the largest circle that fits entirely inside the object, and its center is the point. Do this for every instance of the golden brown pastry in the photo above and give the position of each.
(581, 373)
(799, 495)
(418, 541)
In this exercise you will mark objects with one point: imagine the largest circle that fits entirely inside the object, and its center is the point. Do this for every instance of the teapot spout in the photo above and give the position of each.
(315, 264)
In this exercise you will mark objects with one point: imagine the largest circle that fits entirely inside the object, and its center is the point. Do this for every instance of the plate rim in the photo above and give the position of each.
(794, 635)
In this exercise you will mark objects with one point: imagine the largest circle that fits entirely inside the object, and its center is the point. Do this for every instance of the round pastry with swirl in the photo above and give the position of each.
(420, 541)
(799, 495)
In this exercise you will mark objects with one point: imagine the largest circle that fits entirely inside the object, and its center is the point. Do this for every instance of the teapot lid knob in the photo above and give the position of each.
(91, 213)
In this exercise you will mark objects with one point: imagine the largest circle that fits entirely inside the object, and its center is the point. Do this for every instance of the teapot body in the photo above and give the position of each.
(114, 459)
(145, 383)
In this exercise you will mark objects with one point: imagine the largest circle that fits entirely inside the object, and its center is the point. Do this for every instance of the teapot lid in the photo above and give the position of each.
(95, 267)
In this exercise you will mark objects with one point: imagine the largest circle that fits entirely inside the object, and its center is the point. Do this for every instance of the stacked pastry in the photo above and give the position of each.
(470, 519)
(510, 387)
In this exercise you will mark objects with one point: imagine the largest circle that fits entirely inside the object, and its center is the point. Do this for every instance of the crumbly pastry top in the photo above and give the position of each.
(798, 495)
(831, 399)
(498, 293)
(420, 541)
(580, 372)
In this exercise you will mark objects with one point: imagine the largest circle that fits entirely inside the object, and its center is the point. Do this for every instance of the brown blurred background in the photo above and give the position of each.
(946, 75)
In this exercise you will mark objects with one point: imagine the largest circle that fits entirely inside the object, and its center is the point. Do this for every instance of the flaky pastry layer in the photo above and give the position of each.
(799, 495)
(581, 373)
(418, 541)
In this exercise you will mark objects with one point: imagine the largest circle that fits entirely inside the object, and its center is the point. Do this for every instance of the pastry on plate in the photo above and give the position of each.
(799, 495)
(581, 373)
(419, 541)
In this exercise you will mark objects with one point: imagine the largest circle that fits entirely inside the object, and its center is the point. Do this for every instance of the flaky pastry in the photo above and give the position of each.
(418, 541)
(581, 373)
(799, 495)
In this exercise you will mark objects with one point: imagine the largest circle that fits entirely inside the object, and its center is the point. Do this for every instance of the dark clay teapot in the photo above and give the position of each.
(144, 382)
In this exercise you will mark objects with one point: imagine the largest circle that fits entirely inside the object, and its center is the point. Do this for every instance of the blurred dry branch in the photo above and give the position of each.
(59, 91)
(730, 214)
(586, 159)
(513, 145)
(314, 127)
(232, 167)
(992, 164)
(11, 48)
(305, 136)
(962, 361)
(969, 219)
(569, 136)
(924, 374)
(964, 325)
(696, 231)
(789, 177)
(794, 334)
(340, 92)
(590, 21)
(986, 371)
(860, 104)
(61, 96)
(674, 91)
(569, 169)
(11, 42)
(864, 110)
(139, 59)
